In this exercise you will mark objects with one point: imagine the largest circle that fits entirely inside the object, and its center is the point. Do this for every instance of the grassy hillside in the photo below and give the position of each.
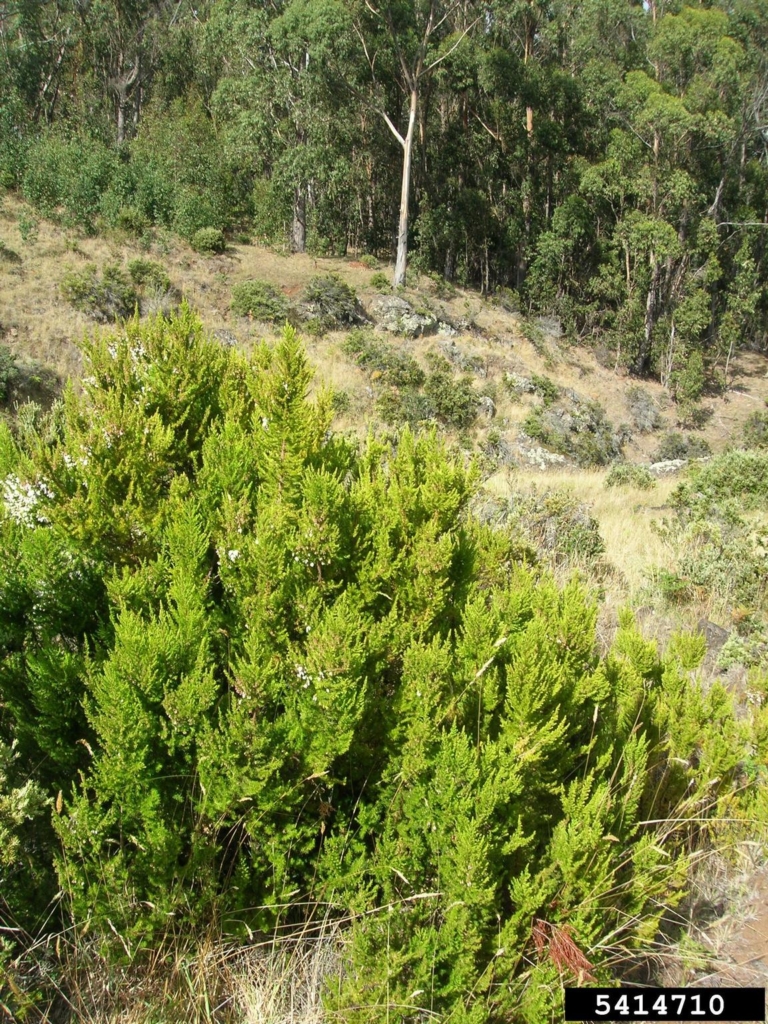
(373, 620)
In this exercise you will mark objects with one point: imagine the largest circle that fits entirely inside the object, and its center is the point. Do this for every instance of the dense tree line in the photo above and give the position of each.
(604, 160)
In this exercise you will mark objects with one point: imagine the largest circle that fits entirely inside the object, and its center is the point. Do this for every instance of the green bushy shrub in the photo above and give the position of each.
(393, 366)
(380, 282)
(586, 434)
(68, 176)
(148, 274)
(266, 670)
(626, 474)
(738, 474)
(331, 303)
(132, 220)
(558, 524)
(453, 399)
(105, 296)
(755, 432)
(208, 241)
(545, 388)
(9, 372)
(679, 446)
(259, 300)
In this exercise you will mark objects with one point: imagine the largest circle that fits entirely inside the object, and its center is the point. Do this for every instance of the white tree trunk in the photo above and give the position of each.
(402, 231)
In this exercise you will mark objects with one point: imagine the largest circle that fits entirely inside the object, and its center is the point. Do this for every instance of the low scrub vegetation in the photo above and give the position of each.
(254, 675)
(261, 301)
(105, 296)
(584, 433)
(208, 241)
(625, 474)
(329, 303)
(681, 446)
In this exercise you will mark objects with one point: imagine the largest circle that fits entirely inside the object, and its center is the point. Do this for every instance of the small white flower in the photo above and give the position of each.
(233, 554)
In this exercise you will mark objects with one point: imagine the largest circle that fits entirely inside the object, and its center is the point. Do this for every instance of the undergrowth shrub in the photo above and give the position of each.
(260, 671)
(9, 372)
(680, 446)
(259, 300)
(149, 274)
(105, 296)
(329, 303)
(720, 553)
(545, 388)
(208, 241)
(388, 363)
(643, 409)
(626, 474)
(584, 434)
(755, 430)
(558, 525)
(453, 399)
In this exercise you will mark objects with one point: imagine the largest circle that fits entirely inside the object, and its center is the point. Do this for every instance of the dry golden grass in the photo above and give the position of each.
(625, 515)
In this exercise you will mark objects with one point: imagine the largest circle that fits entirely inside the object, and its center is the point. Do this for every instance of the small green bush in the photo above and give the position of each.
(585, 435)
(545, 388)
(149, 274)
(734, 474)
(106, 297)
(331, 302)
(9, 372)
(688, 382)
(755, 431)
(29, 228)
(132, 220)
(626, 474)
(340, 402)
(259, 300)
(380, 282)
(558, 524)
(670, 586)
(369, 261)
(454, 400)
(643, 410)
(679, 446)
(395, 367)
(404, 408)
(208, 241)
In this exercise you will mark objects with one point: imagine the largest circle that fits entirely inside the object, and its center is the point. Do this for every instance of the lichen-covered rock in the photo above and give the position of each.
(486, 407)
(667, 466)
(396, 315)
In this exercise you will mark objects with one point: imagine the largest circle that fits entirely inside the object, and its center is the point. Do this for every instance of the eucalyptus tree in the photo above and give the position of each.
(409, 39)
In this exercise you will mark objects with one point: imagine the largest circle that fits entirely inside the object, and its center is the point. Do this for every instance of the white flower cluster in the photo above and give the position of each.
(21, 500)
(307, 680)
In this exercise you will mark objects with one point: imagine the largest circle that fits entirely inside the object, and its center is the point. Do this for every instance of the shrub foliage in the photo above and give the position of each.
(257, 670)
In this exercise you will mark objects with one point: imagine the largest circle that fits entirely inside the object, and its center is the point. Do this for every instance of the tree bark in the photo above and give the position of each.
(299, 227)
(402, 228)
(644, 355)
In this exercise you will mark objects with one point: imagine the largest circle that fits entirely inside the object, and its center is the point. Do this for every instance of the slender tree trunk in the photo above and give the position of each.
(299, 227)
(644, 355)
(402, 229)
